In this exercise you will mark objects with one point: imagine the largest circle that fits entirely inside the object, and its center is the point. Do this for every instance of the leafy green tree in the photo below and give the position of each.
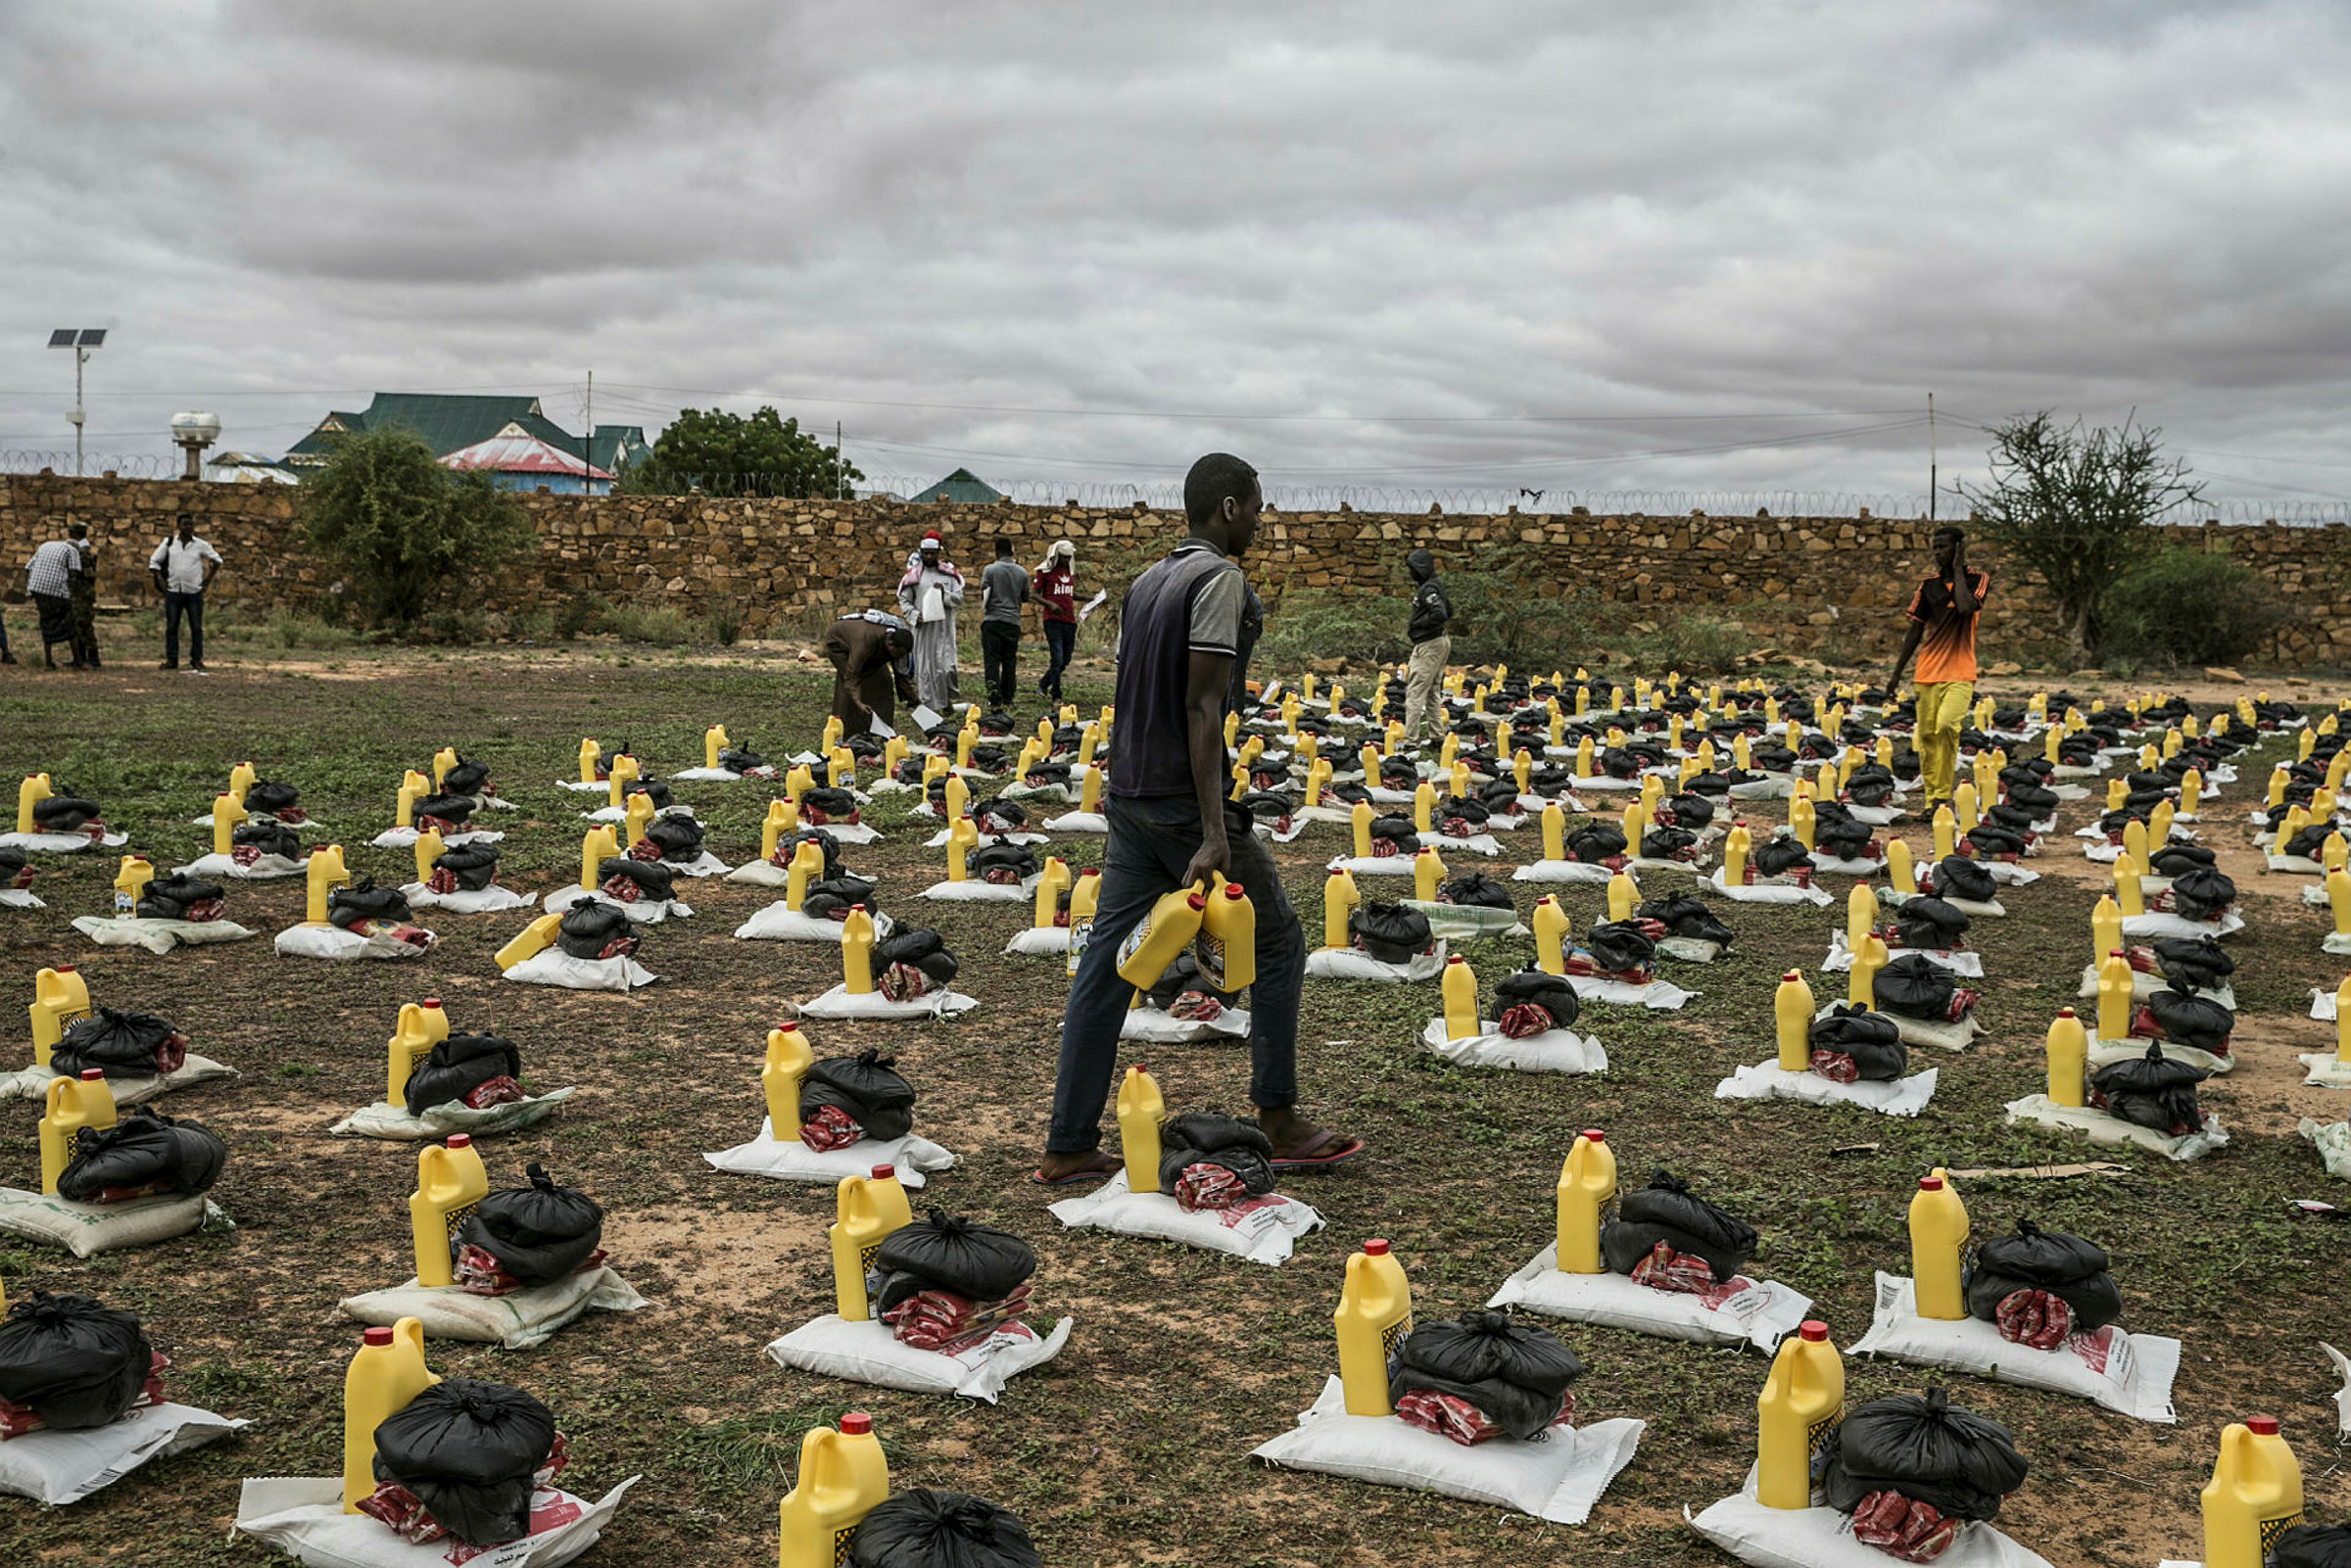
(408, 535)
(728, 455)
(2077, 506)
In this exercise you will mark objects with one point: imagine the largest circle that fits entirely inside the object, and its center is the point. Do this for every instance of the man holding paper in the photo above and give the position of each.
(927, 597)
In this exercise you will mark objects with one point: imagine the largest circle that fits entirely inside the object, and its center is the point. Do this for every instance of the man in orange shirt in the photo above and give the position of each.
(1943, 633)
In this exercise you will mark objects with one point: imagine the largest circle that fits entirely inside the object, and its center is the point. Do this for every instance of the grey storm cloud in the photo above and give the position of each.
(1356, 243)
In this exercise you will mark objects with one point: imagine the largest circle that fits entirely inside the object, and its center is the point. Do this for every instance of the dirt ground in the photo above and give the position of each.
(1133, 1448)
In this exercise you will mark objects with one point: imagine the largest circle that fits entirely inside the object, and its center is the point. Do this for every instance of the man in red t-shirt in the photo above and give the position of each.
(1055, 587)
(1942, 633)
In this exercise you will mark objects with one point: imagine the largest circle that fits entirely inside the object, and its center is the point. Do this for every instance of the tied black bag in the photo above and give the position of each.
(920, 1528)
(2201, 894)
(1870, 785)
(471, 868)
(835, 896)
(1007, 865)
(540, 1233)
(1842, 839)
(76, 1364)
(179, 896)
(1688, 917)
(2150, 1091)
(947, 1252)
(1929, 922)
(679, 839)
(1667, 843)
(2066, 1266)
(829, 845)
(145, 1155)
(654, 789)
(2312, 1546)
(2192, 963)
(593, 929)
(2177, 860)
(1531, 1001)
(635, 881)
(362, 901)
(467, 777)
(1957, 877)
(1915, 986)
(1204, 1137)
(1618, 945)
(993, 814)
(456, 1067)
(120, 1045)
(1868, 1040)
(270, 796)
(917, 952)
(866, 1088)
(1595, 843)
(2193, 1021)
(1518, 1377)
(1392, 933)
(1929, 1450)
(1667, 1211)
(1398, 834)
(63, 814)
(1474, 890)
(1989, 840)
(1689, 811)
(1778, 856)
(266, 838)
(446, 811)
(741, 759)
(471, 1453)
(1183, 975)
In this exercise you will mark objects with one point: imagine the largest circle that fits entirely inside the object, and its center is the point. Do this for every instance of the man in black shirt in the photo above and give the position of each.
(1180, 634)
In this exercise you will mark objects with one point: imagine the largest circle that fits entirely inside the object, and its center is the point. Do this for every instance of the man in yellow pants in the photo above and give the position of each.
(1943, 633)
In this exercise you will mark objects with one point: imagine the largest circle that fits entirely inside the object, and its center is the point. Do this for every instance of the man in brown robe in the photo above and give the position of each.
(871, 675)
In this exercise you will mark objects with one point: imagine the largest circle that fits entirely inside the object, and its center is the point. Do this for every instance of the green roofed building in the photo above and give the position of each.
(453, 422)
(964, 488)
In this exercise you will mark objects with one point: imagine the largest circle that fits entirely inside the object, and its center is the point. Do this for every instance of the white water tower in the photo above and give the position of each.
(191, 433)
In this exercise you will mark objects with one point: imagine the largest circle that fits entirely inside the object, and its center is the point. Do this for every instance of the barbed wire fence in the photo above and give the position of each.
(1113, 496)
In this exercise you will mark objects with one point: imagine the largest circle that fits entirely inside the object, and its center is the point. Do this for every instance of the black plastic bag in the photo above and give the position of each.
(1389, 932)
(471, 1453)
(1870, 1040)
(1398, 831)
(679, 839)
(471, 867)
(787, 846)
(2311, 1547)
(267, 838)
(2201, 894)
(1686, 915)
(1595, 843)
(2177, 860)
(465, 777)
(1555, 994)
(1915, 986)
(1957, 877)
(590, 928)
(1618, 945)
(1204, 1137)
(835, 896)
(2192, 963)
(456, 1067)
(2066, 1266)
(1929, 922)
(173, 897)
(146, 1154)
(1989, 840)
(76, 1364)
(1009, 864)
(654, 881)
(451, 809)
(866, 1088)
(1691, 811)
(2150, 1091)
(949, 1252)
(2038, 799)
(1474, 890)
(1666, 843)
(993, 814)
(1667, 1211)
(1181, 975)
(920, 948)
(120, 1045)
(540, 1233)
(654, 789)
(2192, 1021)
(1870, 785)
(1516, 1375)
(1842, 839)
(920, 1528)
(1778, 856)
(362, 901)
(1928, 1450)
(741, 759)
(63, 814)
(270, 796)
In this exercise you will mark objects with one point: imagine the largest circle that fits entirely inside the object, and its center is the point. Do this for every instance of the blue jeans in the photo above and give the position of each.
(1150, 843)
(192, 606)
(1060, 641)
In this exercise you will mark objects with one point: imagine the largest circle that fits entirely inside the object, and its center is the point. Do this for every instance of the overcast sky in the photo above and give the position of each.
(1394, 246)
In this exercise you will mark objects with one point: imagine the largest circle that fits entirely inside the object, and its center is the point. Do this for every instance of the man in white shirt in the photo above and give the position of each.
(183, 567)
(49, 579)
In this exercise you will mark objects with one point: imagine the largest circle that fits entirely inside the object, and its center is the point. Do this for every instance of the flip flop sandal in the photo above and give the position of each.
(1099, 1169)
(1324, 1149)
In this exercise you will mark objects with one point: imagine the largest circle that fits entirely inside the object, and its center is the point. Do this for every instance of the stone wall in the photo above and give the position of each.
(1814, 583)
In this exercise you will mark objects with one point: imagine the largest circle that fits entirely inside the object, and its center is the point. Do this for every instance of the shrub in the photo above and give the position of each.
(579, 613)
(408, 533)
(726, 622)
(1313, 622)
(664, 626)
(2183, 606)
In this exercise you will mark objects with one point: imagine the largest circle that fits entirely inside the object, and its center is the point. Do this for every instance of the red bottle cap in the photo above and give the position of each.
(65, 969)
(1233, 891)
(1092, 871)
(1595, 1135)
(1196, 901)
(460, 1140)
(856, 1424)
(883, 1172)
(2262, 1426)
(1375, 1248)
(1452, 959)
(2065, 1012)
(1930, 1184)
(1814, 1330)
(1788, 978)
(1139, 1068)
(92, 1074)
(860, 908)
(432, 1001)
(1338, 870)
(377, 1335)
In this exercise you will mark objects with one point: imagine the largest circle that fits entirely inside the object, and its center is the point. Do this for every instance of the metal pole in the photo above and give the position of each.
(588, 446)
(82, 356)
(841, 478)
(1931, 475)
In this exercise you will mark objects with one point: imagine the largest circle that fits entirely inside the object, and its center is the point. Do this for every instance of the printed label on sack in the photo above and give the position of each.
(1890, 1294)
(2107, 1352)
(550, 1509)
(1254, 1216)
(1082, 932)
(1740, 1297)
(1394, 1333)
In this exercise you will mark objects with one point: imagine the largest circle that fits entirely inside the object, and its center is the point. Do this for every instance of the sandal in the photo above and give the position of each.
(1319, 1150)
(1101, 1168)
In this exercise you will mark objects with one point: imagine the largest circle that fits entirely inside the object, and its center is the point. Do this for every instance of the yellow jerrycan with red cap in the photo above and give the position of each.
(843, 1477)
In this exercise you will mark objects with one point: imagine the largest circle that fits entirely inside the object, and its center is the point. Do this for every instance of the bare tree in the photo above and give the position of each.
(2077, 504)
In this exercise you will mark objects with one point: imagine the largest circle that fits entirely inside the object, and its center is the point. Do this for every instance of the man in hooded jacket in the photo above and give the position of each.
(1432, 611)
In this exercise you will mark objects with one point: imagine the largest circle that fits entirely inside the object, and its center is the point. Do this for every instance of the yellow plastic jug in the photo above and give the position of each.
(1937, 1242)
(1963, 805)
(2126, 891)
(866, 1210)
(808, 866)
(2068, 1058)
(1555, 831)
(1801, 1403)
(428, 850)
(34, 788)
(1090, 790)
(2338, 899)
(1900, 873)
(857, 951)
(1550, 925)
(61, 997)
(240, 780)
(590, 757)
(783, 818)
(639, 811)
(780, 1073)
(1083, 896)
(598, 844)
(1635, 824)
(1861, 981)
(1425, 805)
(2105, 926)
(69, 1106)
(714, 740)
(1051, 882)
(1792, 1009)
(1583, 757)
(621, 773)
(1736, 846)
(1587, 1186)
(843, 1476)
(229, 814)
(963, 836)
(1523, 768)
(1142, 1109)
(449, 1181)
(2159, 822)
(1623, 894)
(955, 798)
(1460, 990)
(1860, 915)
(2255, 1494)
(2114, 996)
(533, 939)
(1428, 869)
(1947, 832)
(383, 1375)
(326, 876)
(1227, 948)
(422, 1026)
(1162, 933)
(1374, 1314)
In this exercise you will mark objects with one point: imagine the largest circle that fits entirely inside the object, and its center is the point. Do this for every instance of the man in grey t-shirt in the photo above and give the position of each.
(1180, 634)
(1003, 589)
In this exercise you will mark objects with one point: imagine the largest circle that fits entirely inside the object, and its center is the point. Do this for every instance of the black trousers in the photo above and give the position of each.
(1000, 649)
